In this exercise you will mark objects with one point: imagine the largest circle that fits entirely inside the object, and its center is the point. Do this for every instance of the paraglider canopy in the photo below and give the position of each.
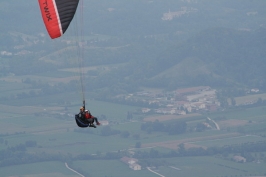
(57, 15)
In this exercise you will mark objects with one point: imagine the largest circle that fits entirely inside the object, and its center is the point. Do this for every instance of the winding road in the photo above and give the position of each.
(217, 126)
(149, 168)
(74, 170)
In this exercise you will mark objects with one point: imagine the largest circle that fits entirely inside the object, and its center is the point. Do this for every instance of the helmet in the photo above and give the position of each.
(86, 110)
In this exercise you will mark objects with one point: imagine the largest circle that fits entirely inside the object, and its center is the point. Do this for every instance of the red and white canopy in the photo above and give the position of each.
(57, 15)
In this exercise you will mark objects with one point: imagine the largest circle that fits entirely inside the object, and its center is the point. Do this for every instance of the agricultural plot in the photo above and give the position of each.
(231, 140)
(115, 168)
(190, 142)
(249, 99)
(11, 83)
(84, 143)
(42, 169)
(209, 167)
(91, 68)
(249, 114)
(43, 79)
(171, 117)
(8, 89)
(237, 127)
(61, 73)
(55, 133)
(49, 121)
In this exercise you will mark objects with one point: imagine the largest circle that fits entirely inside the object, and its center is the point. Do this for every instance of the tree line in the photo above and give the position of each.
(245, 150)
(18, 154)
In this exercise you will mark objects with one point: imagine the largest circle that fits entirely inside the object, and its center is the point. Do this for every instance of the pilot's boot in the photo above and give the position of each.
(92, 125)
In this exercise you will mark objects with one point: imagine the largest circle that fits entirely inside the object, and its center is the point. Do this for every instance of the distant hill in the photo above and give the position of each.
(231, 56)
(216, 57)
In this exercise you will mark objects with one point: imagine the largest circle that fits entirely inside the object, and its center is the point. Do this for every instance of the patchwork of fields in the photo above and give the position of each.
(48, 121)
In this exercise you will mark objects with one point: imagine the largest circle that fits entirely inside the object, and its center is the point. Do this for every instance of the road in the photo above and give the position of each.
(84, 176)
(74, 170)
(175, 168)
(217, 126)
(155, 172)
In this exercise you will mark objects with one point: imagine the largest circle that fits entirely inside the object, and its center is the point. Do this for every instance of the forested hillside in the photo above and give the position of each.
(216, 57)
(156, 43)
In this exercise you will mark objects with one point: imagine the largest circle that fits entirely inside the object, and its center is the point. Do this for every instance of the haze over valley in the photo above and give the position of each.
(179, 87)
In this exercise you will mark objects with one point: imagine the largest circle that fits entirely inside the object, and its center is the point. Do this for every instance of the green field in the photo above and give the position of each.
(209, 167)
(249, 98)
(43, 169)
(253, 114)
(116, 168)
(229, 141)
(182, 166)
(39, 119)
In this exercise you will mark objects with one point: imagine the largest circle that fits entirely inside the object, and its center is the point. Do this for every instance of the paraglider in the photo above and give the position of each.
(85, 119)
(57, 16)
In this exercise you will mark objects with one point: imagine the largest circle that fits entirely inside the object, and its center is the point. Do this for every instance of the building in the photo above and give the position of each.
(239, 159)
(131, 162)
(135, 166)
(145, 110)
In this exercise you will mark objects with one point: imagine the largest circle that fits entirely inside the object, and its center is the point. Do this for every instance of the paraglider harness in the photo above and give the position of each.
(82, 121)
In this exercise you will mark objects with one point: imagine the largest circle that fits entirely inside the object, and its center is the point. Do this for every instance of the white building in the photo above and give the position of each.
(6, 53)
(135, 166)
(255, 90)
(131, 162)
(145, 110)
(239, 159)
